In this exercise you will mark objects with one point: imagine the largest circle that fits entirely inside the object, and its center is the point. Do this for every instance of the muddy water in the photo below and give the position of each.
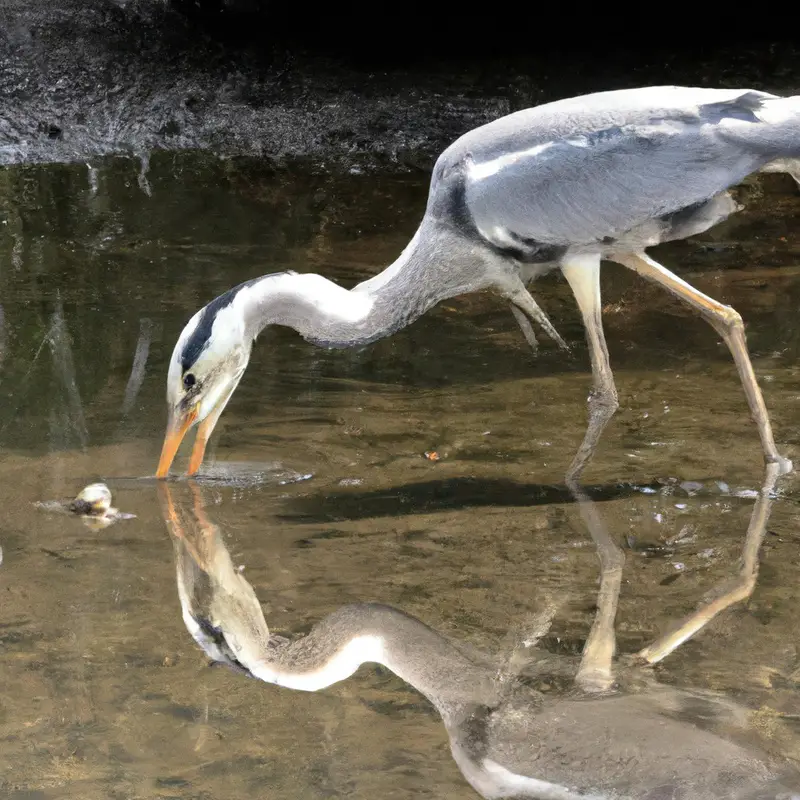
(318, 479)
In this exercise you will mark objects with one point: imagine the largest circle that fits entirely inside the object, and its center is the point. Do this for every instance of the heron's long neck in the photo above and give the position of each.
(331, 316)
(371, 632)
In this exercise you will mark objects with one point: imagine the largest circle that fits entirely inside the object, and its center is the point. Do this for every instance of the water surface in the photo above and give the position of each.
(102, 691)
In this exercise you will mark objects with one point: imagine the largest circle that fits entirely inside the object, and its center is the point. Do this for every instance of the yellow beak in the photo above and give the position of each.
(204, 430)
(176, 430)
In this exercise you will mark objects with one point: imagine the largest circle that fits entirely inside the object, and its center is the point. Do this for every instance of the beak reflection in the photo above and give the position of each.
(220, 608)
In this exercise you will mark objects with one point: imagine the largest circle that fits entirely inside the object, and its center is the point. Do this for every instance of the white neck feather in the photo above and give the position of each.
(359, 650)
(301, 301)
(326, 314)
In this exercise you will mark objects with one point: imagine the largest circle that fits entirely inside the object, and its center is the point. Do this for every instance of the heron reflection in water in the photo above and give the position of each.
(614, 738)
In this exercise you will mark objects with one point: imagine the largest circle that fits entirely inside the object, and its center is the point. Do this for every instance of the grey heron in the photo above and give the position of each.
(507, 739)
(561, 186)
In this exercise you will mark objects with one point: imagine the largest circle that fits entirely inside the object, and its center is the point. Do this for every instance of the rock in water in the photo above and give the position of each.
(92, 505)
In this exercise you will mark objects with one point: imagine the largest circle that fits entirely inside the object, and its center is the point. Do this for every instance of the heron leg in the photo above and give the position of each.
(728, 323)
(524, 307)
(583, 275)
(730, 592)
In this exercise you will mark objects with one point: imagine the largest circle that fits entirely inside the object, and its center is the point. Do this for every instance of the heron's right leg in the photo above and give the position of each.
(583, 275)
(595, 672)
(728, 323)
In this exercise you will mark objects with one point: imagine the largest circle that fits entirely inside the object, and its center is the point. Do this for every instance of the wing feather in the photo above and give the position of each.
(578, 171)
(579, 192)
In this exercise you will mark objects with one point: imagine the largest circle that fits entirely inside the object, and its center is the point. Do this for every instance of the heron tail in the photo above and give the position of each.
(781, 132)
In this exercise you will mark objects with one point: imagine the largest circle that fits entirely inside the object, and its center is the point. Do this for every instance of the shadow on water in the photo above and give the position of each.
(319, 478)
(465, 493)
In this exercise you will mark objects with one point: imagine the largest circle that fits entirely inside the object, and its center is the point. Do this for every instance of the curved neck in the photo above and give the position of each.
(374, 633)
(328, 315)
(224, 616)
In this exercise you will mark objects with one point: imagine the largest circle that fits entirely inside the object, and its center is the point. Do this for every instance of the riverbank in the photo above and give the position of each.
(85, 78)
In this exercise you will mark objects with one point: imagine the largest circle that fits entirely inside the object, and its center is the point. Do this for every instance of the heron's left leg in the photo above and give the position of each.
(583, 275)
(728, 323)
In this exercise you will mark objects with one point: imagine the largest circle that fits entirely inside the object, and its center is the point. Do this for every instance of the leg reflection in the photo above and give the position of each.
(732, 591)
(595, 673)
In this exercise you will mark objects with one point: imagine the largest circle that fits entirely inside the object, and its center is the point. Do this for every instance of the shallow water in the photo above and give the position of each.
(318, 479)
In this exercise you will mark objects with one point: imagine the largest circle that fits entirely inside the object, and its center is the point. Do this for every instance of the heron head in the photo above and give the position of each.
(207, 363)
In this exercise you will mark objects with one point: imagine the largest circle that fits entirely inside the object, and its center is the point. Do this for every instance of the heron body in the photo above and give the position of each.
(559, 186)
(507, 739)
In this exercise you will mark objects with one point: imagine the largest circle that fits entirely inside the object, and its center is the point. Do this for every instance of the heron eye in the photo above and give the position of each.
(189, 380)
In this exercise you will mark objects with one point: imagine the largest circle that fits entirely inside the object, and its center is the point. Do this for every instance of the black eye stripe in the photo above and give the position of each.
(201, 336)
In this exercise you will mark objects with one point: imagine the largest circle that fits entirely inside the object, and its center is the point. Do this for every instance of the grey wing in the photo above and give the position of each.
(577, 191)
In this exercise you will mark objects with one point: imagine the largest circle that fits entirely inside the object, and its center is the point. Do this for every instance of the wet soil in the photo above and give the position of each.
(84, 78)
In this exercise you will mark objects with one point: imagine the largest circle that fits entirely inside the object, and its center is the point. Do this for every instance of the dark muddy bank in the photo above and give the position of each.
(82, 78)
